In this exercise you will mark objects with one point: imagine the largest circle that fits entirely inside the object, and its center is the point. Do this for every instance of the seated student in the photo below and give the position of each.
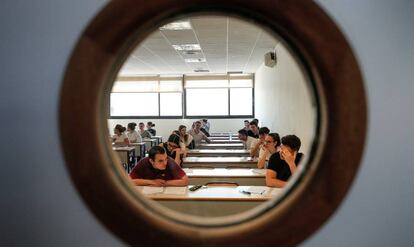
(144, 133)
(206, 124)
(120, 138)
(173, 149)
(158, 170)
(203, 129)
(269, 147)
(247, 140)
(258, 144)
(185, 138)
(254, 130)
(197, 135)
(132, 134)
(150, 128)
(283, 164)
(246, 125)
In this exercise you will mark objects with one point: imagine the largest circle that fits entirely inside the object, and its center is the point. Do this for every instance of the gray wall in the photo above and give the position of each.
(39, 205)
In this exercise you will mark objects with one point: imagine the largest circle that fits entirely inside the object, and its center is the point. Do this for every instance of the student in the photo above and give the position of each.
(173, 149)
(254, 130)
(150, 129)
(202, 128)
(132, 134)
(247, 140)
(185, 138)
(158, 170)
(283, 164)
(197, 135)
(246, 125)
(270, 146)
(144, 133)
(206, 125)
(119, 137)
(258, 144)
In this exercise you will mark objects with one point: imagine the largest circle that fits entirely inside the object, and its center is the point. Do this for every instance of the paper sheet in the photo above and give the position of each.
(259, 171)
(175, 190)
(256, 190)
(152, 190)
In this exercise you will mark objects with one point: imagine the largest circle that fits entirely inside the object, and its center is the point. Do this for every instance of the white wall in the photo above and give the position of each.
(39, 205)
(164, 127)
(283, 101)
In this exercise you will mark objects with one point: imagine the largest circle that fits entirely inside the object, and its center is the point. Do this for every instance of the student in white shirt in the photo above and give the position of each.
(258, 144)
(248, 141)
(120, 138)
(197, 135)
(132, 134)
(144, 133)
(270, 146)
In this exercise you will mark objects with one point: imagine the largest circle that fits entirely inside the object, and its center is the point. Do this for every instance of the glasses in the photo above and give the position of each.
(267, 142)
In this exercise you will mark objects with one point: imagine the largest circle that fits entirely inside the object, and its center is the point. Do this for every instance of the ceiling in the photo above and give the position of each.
(227, 45)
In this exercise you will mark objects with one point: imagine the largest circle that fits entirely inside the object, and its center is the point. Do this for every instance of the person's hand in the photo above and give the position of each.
(288, 157)
(158, 182)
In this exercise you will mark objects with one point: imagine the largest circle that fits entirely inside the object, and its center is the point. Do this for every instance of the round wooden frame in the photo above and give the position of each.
(338, 84)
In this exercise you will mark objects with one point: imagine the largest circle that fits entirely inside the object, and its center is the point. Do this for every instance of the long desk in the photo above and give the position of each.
(218, 153)
(127, 156)
(158, 138)
(221, 146)
(228, 141)
(211, 200)
(220, 162)
(226, 134)
(242, 176)
(140, 149)
(223, 138)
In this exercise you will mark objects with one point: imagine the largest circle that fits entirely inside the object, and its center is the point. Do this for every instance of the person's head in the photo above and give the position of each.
(253, 127)
(173, 142)
(197, 125)
(131, 126)
(242, 134)
(150, 125)
(141, 126)
(158, 157)
(290, 143)
(246, 123)
(204, 120)
(182, 130)
(263, 131)
(272, 140)
(119, 129)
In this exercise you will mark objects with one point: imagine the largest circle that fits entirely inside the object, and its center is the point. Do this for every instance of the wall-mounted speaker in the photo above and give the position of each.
(270, 59)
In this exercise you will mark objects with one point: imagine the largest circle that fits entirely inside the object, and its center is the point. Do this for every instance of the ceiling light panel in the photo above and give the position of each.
(177, 25)
(195, 60)
(187, 47)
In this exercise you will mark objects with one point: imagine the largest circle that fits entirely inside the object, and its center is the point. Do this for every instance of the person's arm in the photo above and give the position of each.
(272, 181)
(177, 157)
(262, 158)
(183, 181)
(126, 141)
(206, 138)
(255, 148)
(149, 182)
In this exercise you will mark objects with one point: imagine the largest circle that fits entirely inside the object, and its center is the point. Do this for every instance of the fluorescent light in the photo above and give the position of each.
(187, 47)
(195, 60)
(201, 70)
(177, 25)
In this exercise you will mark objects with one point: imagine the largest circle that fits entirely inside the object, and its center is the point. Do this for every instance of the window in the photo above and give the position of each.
(146, 97)
(219, 96)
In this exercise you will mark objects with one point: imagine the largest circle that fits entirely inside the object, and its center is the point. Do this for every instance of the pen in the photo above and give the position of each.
(246, 192)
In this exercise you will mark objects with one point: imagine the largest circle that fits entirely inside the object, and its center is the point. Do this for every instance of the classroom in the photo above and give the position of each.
(215, 75)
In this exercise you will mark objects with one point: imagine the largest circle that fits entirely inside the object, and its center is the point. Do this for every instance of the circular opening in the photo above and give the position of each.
(340, 130)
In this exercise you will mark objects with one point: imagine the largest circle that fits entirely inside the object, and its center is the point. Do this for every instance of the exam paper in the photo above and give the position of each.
(152, 190)
(175, 190)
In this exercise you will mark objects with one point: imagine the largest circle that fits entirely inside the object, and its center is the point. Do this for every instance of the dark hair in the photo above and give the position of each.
(243, 132)
(253, 123)
(179, 132)
(256, 120)
(276, 138)
(141, 123)
(120, 128)
(264, 131)
(205, 120)
(291, 141)
(132, 126)
(151, 124)
(154, 151)
(197, 122)
(247, 121)
(174, 139)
